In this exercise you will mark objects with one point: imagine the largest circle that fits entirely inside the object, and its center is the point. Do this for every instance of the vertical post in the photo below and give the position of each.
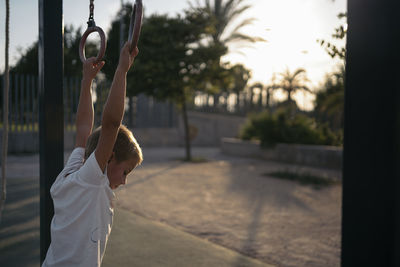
(21, 101)
(16, 95)
(10, 103)
(371, 177)
(28, 102)
(35, 94)
(51, 119)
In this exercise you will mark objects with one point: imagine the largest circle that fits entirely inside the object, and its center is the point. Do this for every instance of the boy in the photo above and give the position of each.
(82, 193)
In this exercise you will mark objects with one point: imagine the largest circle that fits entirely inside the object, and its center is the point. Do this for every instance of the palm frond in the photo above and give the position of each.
(241, 45)
(244, 23)
(230, 6)
(236, 12)
(237, 37)
(298, 72)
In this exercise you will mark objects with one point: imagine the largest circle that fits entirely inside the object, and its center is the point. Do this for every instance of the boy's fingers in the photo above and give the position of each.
(100, 65)
(90, 60)
(135, 52)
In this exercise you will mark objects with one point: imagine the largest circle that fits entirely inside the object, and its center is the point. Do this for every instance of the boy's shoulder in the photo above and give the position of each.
(73, 164)
(91, 172)
(78, 172)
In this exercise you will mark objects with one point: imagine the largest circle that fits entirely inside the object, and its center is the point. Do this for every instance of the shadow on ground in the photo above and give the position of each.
(19, 229)
(283, 222)
(229, 201)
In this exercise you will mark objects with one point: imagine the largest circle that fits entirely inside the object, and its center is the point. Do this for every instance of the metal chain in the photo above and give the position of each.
(91, 19)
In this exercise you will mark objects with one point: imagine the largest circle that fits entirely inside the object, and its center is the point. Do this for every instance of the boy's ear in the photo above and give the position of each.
(111, 157)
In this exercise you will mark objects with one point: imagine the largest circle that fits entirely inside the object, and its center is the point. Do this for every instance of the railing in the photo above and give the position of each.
(23, 103)
(250, 100)
(141, 111)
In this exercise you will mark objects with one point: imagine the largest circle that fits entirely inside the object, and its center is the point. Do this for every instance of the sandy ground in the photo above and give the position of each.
(230, 201)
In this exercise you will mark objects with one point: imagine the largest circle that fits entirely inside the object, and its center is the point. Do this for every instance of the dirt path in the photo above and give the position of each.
(231, 202)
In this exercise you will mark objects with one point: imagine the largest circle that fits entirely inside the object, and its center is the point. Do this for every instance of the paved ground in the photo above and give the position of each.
(173, 213)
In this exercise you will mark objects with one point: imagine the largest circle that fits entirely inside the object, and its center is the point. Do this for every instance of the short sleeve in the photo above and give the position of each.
(90, 172)
(75, 161)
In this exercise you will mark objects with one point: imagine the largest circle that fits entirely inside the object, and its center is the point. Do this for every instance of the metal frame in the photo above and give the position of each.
(51, 118)
(371, 177)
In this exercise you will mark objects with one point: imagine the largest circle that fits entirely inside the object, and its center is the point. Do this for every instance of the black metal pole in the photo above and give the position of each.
(51, 119)
(371, 207)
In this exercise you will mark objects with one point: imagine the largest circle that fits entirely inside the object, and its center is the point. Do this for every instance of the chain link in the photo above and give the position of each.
(91, 9)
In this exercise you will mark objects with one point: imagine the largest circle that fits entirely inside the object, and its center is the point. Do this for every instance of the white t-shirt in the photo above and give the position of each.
(83, 213)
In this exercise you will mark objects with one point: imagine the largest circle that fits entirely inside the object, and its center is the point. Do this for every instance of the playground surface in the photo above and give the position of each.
(221, 212)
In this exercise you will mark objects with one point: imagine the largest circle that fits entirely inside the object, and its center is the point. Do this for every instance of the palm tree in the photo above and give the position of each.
(292, 82)
(329, 102)
(221, 14)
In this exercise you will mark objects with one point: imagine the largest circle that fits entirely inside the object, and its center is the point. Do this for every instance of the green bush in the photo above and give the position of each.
(286, 127)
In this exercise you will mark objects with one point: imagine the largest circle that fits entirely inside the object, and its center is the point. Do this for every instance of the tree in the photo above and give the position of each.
(222, 14)
(240, 76)
(268, 89)
(171, 63)
(237, 79)
(292, 82)
(329, 101)
(339, 34)
(28, 60)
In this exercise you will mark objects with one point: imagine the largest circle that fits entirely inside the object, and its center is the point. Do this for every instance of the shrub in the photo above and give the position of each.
(286, 127)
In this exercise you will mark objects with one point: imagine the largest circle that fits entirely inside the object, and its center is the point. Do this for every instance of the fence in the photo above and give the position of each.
(141, 111)
(249, 100)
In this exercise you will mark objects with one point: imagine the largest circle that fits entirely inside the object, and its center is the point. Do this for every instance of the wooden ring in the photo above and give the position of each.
(135, 24)
(103, 43)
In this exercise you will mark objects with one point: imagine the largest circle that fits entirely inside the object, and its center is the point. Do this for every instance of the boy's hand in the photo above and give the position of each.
(125, 58)
(90, 68)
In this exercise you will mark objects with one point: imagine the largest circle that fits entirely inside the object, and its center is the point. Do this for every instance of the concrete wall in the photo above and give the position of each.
(210, 129)
(28, 142)
(311, 155)
(157, 136)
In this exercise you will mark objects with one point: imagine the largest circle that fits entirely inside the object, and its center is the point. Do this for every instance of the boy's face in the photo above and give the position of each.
(117, 171)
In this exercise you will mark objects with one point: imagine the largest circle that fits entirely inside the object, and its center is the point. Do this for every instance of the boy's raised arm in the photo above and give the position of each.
(84, 114)
(114, 108)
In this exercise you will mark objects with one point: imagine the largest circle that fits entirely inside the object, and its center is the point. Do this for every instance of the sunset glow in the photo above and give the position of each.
(290, 27)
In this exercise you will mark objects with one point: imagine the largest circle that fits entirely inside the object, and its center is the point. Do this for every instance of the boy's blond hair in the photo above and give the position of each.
(126, 147)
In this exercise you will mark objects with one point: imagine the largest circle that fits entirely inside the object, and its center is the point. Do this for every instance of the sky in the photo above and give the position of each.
(291, 28)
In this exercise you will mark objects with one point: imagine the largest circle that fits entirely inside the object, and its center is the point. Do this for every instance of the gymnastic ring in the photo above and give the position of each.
(103, 43)
(135, 24)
